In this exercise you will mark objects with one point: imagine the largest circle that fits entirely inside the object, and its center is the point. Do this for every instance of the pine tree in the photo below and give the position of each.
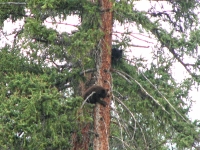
(45, 72)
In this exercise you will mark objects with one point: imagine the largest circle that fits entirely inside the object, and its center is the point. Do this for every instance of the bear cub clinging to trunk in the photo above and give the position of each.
(99, 93)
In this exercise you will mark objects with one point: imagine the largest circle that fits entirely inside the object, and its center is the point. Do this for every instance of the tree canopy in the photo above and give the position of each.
(44, 72)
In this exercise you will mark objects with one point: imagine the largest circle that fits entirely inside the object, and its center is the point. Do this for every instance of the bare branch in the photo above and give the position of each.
(76, 26)
(130, 147)
(13, 3)
(86, 100)
(133, 118)
(162, 96)
(156, 101)
(87, 71)
(128, 33)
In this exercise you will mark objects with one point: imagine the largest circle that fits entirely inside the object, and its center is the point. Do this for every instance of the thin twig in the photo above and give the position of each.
(123, 142)
(134, 119)
(87, 99)
(156, 101)
(12, 3)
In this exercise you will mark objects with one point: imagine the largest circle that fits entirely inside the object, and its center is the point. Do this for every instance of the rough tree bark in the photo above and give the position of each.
(102, 114)
(81, 144)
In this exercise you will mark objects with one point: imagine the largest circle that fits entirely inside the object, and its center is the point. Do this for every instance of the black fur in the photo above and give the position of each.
(99, 92)
(116, 55)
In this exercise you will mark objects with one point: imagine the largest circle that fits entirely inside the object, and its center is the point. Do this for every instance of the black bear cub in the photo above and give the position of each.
(116, 55)
(99, 92)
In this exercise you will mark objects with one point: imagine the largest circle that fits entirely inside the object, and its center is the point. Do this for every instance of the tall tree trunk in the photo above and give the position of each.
(102, 114)
(81, 143)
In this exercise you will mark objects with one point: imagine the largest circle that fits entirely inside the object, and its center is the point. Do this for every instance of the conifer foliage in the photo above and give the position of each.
(44, 71)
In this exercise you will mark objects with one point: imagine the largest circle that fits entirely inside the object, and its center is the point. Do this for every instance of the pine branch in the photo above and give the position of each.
(156, 101)
(163, 96)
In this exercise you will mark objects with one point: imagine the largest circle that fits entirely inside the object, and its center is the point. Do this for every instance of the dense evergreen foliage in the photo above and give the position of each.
(42, 70)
